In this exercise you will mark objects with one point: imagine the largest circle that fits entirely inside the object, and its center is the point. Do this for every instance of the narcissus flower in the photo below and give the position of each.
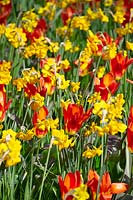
(80, 22)
(74, 117)
(15, 35)
(9, 148)
(26, 136)
(5, 76)
(61, 139)
(75, 86)
(90, 153)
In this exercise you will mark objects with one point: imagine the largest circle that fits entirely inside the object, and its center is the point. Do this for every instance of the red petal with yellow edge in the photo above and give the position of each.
(105, 183)
(40, 133)
(117, 188)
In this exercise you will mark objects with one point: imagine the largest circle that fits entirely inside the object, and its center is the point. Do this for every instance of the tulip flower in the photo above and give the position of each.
(74, 117)
(106, 85)
(130, 130)
(3, 104)
(119, 65)
(38, 121)
(70, 182)
(107, 189)
(5, 10)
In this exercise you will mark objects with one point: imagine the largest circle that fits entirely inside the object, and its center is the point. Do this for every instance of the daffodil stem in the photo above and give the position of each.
(45, 170)
(58, 158)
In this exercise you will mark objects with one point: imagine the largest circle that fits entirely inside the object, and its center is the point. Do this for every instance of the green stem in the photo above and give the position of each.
(45, 170)
(58, 159)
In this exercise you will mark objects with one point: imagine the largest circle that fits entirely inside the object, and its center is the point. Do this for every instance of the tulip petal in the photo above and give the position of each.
(117, 188)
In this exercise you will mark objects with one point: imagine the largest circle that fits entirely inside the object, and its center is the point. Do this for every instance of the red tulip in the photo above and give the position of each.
(130, 130)
(74, 116)
(39, 30)
(119, 65)
(70, 182)
(106, 85)
(5, 11)
(3, 104)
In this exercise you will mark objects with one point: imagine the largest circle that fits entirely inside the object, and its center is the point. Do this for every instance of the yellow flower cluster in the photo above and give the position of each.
(64, 65)
(5, 2)
(48, 10)
(29, 76)
(36, 101)
(98, 14)
(5, 76)
(100, 71)
(9, 148)
(129, 45)
(94, 98)
(80, 22)
(61, 139)
(47, 124)
(64, 31)
(108, 3)
(26, 136)
(75, 86)
(128, 29)
(54, 47)
(29, 20)
(15, 35)
(61, 82)
(119, 16)
(90, 153)
(38, 48)
(110, 113)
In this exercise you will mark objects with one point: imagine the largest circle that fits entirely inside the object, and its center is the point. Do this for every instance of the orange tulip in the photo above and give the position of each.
(92, 183)
(71, 181)
(107, 189)
(37, 118)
